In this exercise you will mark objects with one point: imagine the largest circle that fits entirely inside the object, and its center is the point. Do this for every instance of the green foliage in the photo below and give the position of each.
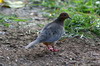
(50, 3)
(6, 20)
(82, 24)
(84, 13)
(89, 6)
(85, 6)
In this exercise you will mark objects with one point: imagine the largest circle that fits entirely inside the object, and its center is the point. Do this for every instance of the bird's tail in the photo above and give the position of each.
(30, 45)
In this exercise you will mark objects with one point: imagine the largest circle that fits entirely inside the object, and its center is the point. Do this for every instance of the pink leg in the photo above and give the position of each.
(51, 48)
(55, 50)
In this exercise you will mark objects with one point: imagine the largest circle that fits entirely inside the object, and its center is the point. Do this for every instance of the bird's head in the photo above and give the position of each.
(64, 16)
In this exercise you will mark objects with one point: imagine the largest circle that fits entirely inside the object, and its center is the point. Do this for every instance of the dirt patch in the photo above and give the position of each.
(73, 51)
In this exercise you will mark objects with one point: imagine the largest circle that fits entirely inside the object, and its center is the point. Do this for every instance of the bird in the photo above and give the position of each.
(51, 33)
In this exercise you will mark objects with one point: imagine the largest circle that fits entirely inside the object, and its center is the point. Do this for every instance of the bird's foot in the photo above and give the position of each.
(53, 50)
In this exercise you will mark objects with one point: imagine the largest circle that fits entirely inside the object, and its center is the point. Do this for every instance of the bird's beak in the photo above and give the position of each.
(70, 18)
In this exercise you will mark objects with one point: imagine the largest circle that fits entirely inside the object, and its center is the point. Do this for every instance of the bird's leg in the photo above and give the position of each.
(54, 50)
(50, 47)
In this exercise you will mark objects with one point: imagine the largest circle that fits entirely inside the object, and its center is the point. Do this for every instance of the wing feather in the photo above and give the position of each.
(51, 33)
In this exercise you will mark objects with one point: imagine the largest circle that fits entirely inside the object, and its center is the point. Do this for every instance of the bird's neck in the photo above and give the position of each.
(59, 21)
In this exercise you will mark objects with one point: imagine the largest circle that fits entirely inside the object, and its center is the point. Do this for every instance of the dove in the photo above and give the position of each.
(51, 33)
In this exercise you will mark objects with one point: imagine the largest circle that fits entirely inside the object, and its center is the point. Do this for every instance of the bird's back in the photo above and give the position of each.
(51, 32)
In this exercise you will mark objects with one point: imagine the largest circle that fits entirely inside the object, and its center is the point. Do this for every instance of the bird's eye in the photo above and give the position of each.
(64, 14)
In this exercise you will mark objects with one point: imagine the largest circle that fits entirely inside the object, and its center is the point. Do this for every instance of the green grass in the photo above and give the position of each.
(5, 20)
(82, 24)
(85, 15)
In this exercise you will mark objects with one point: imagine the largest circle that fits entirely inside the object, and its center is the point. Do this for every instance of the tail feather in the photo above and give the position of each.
(30, 45)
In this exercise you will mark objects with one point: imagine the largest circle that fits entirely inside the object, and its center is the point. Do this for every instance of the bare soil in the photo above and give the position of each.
(73, 51)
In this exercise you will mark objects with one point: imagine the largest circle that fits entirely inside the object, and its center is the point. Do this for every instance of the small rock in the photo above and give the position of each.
(71, 58)
(96, 54)
(6, 43)
(2, 33)
(47, 64)
(51, 61)
(98, 61)
(1, 38)
(8, 58)
(16, 60)
(21, 34)
(1, 64)
(31, 13)
(61, 54)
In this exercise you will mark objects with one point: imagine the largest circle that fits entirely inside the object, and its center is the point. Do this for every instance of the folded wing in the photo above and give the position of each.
(51, 33)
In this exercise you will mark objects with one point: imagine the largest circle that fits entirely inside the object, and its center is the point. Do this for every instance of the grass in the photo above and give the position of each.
(5, 20)
(85, 15)
(82, 24)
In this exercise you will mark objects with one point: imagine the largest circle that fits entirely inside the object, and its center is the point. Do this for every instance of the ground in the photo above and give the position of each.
(74, 51)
